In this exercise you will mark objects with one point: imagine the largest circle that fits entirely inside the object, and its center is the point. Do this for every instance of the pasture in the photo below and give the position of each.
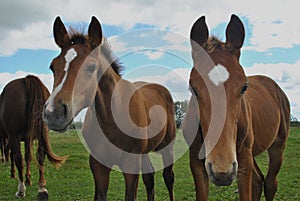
(74, 180)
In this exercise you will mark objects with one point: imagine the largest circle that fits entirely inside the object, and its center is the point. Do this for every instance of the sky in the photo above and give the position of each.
(151, 38)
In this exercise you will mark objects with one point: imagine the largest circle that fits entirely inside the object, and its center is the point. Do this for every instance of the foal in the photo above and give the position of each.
(232, 118)
(124, 121)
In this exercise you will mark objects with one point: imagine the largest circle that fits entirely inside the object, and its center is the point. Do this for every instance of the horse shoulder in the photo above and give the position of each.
(264, 98)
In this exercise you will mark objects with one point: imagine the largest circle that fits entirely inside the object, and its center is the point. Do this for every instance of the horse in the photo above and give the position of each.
(232, 118)
(124, 120)
(21, 109)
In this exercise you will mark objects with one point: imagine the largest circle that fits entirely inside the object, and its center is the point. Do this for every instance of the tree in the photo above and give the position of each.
(293, 118)
(180, 110)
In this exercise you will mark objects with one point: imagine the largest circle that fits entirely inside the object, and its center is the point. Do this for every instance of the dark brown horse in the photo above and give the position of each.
(232, 118)
(124, 121)
(21, 108)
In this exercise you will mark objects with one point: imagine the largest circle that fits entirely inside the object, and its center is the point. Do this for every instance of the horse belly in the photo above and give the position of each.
(266, 124)
(157, 142)
(99, 146)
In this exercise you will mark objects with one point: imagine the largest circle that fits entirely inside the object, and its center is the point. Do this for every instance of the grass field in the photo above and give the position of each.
(74, 181)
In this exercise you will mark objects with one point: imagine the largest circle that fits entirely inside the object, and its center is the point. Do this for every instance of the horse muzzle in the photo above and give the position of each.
(222, 178)
(57, 118)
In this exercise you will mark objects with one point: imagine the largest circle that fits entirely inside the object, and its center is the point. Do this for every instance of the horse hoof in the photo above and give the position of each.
(20, 194)
(43, 195)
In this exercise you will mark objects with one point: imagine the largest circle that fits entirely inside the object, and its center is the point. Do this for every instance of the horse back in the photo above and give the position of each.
(18, 101)
(157, 95)
(270, 111)
(13, 106)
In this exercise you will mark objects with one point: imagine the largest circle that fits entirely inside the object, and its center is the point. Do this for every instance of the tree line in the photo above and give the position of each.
(180, 111)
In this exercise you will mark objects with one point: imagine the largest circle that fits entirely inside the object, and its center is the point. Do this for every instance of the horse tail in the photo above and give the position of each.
(56, 160)
(37, 94)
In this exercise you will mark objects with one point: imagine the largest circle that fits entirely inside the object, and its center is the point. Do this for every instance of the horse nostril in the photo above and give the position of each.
(65, 110)
(234, 165)
(61, 111)
(210, 168)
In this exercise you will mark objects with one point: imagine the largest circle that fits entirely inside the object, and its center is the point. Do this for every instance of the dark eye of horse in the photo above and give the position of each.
(244, 89)
(91, 68)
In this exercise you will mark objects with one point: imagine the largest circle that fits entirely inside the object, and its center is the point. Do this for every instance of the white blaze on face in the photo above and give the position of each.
(218, 75)
(69, 57)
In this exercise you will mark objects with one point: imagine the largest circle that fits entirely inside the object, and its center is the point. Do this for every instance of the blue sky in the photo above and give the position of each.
(37, 61)
(152, 39)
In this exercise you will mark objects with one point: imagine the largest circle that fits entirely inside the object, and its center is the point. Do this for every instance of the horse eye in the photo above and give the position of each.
(244, 89)
(91, 68)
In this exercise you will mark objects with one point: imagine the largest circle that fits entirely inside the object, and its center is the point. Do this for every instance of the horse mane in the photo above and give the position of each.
(214, 44)
(78, 37)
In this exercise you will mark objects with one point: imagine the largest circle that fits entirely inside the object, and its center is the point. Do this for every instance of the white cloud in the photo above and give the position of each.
(177, 41)
(176, 81)
(288, 78)
(117, 44)
(29, 25)
(153, 55)
(5, 78)
(273, 23)
(34, 36)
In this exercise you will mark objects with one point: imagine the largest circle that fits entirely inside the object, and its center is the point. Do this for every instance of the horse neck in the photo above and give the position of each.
(106, 87)
(244, 122)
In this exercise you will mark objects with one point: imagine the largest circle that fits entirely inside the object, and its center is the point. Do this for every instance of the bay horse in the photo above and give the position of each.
(124, 120)
(21, 109)
(232, 118)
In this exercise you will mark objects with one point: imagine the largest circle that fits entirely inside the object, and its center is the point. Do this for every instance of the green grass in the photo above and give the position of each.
(74, 181)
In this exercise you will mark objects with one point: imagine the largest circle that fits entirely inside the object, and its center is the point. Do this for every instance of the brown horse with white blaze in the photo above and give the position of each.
(21, 109)
(232, 118)
(124, 120)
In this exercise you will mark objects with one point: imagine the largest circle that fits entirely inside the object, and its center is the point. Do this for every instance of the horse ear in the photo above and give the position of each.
(95, 33)
(199, 32)
(235, 33)
(60, 33)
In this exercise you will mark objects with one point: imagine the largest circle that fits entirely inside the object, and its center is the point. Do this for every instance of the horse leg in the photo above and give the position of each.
(12, 168)
(28, 160)
(168, 174)
(101, 179)
(131, 183)
(130, 165)
(200, 177)
(275, 160)
(148, 176)
(17, 156)
(42, 192)
(6, 149)
(257, 182)
(2, 150)
(244, 177)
